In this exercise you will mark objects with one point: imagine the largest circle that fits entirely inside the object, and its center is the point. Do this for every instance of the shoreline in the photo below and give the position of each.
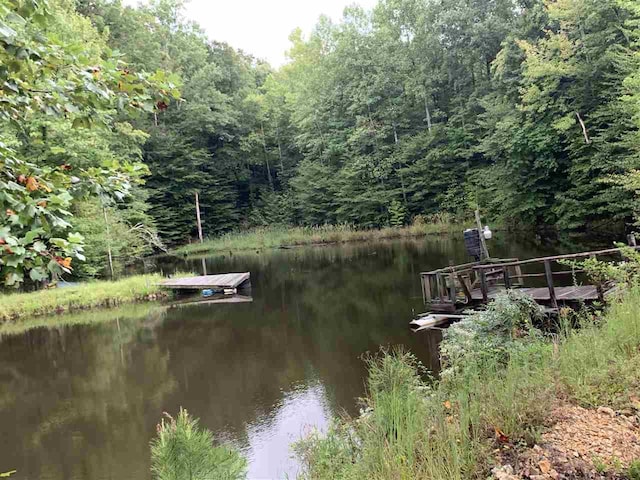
(100, 294)
(285, 238)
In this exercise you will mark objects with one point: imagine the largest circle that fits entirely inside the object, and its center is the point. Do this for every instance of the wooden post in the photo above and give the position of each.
(439, 287)
(426, 288)
(483, 285)
(598, 284)
(552, 291)
(507, 278)
(520, 280)
(452, 287)
(109, 255)
(198, 218)
(631, 240)
(483, 243)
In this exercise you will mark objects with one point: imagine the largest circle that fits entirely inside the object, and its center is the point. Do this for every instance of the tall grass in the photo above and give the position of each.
(599, 363)
(182, 450)
(447, 429)
(272, 237)
(87, 295)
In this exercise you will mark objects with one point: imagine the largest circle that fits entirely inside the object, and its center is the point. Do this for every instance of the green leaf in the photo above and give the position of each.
(12, 279)
(38, 274)
(6, 32)
(75, 238)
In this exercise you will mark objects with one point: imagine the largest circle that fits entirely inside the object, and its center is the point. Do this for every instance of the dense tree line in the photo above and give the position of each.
(527, 109)
(523, 108)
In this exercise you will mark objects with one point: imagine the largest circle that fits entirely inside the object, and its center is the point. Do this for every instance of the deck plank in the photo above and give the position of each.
(225, 280)
(570, 294)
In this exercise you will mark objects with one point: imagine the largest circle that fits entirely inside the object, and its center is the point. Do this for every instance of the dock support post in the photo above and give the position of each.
(552, 291)
(483, 286)
(483, 243)
(439, 288)
(507, 277)
(426, 288)
(452, 288)
(599, 285)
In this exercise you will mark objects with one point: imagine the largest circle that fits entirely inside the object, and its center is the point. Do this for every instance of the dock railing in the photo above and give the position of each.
(445, 288)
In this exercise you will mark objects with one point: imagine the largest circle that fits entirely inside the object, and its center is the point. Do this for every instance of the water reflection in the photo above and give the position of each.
(81, 401)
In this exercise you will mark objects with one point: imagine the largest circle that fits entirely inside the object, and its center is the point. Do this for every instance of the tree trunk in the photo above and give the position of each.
(427, 112)
(266, 156)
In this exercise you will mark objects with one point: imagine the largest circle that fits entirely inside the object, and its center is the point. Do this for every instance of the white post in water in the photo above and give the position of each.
(108, 232)
(483, 243)
(198, 218)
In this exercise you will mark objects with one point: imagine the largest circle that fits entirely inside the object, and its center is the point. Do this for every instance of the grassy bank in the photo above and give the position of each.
(87, 295)
(274, 237)
(501, 380)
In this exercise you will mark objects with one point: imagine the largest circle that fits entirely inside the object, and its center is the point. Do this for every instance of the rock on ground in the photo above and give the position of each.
(581, 444)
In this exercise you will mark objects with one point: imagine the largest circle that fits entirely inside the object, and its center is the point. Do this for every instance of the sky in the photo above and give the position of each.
(262, 27)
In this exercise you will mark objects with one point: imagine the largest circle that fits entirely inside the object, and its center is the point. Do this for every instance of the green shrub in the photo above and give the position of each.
(184, 451)
(634, 470)
(491, 335)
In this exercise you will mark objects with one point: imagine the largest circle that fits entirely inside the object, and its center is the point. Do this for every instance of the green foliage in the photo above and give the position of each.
(634, 470)
(623, 273)
(104, 229)
(430, 108)
(46, 74)
(491, 335)
(184, 451)
(397, 214)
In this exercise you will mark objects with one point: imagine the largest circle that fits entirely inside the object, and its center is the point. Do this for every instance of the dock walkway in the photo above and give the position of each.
(213, 282)
(547, 280)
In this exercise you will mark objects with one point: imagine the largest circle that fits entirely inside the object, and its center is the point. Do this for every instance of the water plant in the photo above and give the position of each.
(182, 450)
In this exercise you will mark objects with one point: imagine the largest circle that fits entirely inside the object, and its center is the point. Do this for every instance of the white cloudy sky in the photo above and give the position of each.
(262, 27)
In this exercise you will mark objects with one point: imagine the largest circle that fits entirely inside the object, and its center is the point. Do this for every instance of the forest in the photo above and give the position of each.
(113, 117)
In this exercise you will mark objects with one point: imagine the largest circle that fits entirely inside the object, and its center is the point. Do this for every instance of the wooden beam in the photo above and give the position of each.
(552, 291)
(555, 258)
(198, 218)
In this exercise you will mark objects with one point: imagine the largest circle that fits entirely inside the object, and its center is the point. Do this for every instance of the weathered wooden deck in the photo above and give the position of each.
(461, 287)
(214, 282)
(541, 294)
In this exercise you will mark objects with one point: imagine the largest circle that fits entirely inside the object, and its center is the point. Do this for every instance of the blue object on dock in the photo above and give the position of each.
(207, 292)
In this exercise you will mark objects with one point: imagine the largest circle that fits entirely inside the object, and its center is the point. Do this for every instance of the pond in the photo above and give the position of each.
(82, 401)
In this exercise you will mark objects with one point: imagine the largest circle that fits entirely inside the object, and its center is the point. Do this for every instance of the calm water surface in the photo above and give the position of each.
(82, 401)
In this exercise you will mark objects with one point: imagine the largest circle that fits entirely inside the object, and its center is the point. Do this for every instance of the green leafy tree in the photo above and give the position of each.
(42, 75)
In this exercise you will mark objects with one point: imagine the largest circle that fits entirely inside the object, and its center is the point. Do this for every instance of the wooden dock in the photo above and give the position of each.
(213, 282)
(546, 280)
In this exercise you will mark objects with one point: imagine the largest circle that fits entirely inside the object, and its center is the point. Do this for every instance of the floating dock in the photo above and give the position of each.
(214, 282)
